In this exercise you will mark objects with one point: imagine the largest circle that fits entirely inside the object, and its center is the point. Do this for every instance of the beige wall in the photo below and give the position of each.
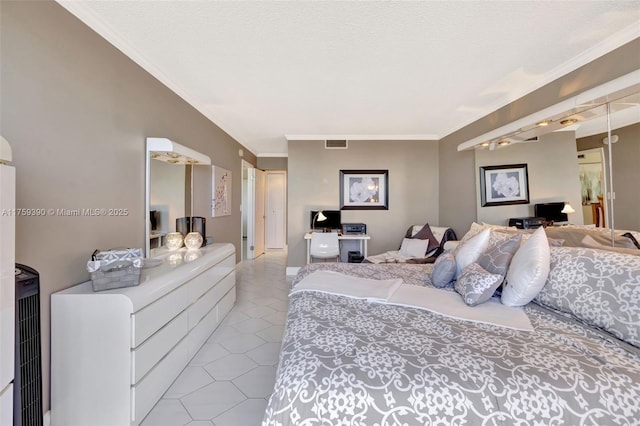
(76, 112)
(552, 166)
(313, 183)
(272, 163)
(457, 169)
(626, 173)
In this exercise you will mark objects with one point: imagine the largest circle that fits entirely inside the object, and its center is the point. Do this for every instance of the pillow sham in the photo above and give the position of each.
(413, 248)
(468, 252)
(588, 241)
(497, 257)
(528, 270)
(476, 285)
(474, 230)
(444, 270)
(601, 288)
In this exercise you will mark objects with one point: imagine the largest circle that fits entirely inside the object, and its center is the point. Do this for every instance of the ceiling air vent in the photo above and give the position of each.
(335, 144)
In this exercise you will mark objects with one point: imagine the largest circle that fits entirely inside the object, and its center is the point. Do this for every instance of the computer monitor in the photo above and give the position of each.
(551, 211)
(333, 221)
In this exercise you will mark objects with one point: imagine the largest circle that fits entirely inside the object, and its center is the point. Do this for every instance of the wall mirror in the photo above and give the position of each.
(608, 112)
(168, 189)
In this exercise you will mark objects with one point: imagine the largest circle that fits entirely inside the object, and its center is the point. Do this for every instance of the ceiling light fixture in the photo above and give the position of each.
(504, 142)
(543, 123)
(569, 121)
(484, 144)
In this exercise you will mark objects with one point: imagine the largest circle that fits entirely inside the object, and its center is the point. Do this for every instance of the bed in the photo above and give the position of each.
(350, 361)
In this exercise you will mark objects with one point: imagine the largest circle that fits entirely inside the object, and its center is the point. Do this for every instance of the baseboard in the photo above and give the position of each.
(46, 419)
(292, 271)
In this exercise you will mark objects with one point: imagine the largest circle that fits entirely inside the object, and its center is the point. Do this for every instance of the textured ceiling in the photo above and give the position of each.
(265, 70)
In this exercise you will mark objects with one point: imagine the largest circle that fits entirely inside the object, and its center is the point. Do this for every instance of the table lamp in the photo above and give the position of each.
(320, 217)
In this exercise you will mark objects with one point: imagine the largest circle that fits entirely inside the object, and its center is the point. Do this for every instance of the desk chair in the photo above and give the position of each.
(325, 245)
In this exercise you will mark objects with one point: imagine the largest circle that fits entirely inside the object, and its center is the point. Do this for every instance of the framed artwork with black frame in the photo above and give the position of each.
(364, 189)
(504, 185)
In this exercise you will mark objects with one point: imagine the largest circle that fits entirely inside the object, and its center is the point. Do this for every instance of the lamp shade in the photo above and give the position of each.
(319, 217)
(567, 209)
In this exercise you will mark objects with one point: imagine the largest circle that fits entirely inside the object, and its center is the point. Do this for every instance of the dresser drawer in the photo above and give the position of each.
(202, 331)
(226, 304)
(151, 318)
(145, 394)
(203, 305)
(203, 282)
(148, 354)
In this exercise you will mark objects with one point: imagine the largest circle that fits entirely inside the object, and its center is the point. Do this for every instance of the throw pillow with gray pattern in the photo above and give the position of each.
(444, 270)
(476, 285)
(497, 257)
(599, 287)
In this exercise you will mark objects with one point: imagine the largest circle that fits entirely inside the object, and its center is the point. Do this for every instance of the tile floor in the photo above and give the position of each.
(230, 379)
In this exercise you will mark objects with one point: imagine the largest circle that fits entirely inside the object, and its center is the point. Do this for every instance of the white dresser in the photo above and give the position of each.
(114, 353)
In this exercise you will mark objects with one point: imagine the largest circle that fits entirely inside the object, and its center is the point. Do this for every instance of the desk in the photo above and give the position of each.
(362, 238)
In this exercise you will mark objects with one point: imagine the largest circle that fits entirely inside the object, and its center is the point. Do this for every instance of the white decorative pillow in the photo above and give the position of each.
(474, 230)
(476, 285)
(528, 271)
(412, 247)
(469, 251)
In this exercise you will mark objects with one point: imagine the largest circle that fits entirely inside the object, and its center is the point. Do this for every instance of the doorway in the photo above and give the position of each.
(593, 186)
(275, 211)
(252, 209)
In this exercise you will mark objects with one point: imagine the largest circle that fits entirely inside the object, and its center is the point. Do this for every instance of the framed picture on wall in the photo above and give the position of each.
(364, 189)
(220, 191)
(503, 185)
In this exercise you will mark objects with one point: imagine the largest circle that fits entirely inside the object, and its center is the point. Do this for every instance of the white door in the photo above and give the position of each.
(258, 243)
(276, 194)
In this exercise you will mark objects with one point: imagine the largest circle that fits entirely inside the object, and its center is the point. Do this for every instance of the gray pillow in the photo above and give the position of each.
(477, 285)
(601, 288)
(497, 257)
(444, 269)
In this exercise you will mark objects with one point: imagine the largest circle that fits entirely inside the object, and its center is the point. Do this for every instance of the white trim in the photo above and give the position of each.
(600, 94)
(46, 419)
(292, 271)
(273, 154)
(364, 137)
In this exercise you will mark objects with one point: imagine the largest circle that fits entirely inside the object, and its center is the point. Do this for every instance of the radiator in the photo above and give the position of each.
(27, 386)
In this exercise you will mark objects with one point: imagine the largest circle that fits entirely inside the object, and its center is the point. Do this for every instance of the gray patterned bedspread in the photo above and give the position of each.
(350, 362)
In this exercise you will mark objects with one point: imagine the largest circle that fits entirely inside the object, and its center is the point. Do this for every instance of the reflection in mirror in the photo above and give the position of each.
(609, 195)
(168, 188)
(167, 198)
